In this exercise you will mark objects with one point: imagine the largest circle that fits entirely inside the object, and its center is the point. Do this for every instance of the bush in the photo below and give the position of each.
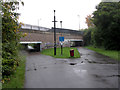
(10, 37)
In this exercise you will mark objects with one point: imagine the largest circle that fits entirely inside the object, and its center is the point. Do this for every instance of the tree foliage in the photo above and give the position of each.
(89, 36)
(89, 21)
(107, 22)
(10, 36)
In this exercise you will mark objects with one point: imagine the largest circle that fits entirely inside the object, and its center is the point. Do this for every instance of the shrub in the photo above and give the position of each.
(10, 37)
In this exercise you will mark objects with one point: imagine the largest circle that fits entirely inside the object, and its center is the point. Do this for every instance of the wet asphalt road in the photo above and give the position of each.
(92, 70)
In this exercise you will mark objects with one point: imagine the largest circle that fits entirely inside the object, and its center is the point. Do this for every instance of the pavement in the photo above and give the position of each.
(92, 70)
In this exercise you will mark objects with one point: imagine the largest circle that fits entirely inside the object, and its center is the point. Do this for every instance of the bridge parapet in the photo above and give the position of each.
(34, 27)
(42, 35)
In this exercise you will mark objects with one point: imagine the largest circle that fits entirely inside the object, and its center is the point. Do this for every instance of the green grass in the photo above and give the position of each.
(0, 75)
(66, 52)
(111, 53)
(17, 79)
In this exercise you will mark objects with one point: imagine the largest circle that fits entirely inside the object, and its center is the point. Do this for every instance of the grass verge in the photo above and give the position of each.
(111, 53)
(17, 79)
(66, 52)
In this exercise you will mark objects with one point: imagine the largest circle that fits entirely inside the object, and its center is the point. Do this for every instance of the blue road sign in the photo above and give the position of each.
(61, 39)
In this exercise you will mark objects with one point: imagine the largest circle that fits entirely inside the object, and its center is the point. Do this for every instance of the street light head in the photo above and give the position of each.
(54, 12)
(61, 23)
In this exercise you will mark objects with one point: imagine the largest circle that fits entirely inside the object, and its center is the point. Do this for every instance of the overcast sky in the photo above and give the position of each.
(66, 11)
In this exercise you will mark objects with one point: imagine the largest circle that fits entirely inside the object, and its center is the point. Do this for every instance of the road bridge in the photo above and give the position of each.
(46, 36)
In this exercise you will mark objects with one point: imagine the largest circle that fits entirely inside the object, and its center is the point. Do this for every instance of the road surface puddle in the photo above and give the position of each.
(113, 76)
(72, 63)
(98, 76)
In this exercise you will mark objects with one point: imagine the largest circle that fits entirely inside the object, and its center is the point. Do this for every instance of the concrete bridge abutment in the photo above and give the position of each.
(47, 38)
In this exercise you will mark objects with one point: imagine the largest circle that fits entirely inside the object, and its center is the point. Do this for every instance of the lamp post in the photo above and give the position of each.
(38, 23)
(61, 26)
(54, 33)
(79, 21)
(61, 36)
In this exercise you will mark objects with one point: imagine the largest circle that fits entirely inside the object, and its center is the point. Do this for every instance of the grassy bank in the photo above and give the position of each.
(66, 52)
(17, 79)
(111, 53)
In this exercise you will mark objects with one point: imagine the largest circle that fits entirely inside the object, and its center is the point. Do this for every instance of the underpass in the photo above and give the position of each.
(46, 36)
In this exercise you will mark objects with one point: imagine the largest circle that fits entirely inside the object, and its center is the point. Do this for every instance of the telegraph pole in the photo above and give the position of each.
(54, 33)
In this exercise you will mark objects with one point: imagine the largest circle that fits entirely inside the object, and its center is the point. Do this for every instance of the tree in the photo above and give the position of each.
(88, 36)
(10, 36)
(107, 21)
(89, 21)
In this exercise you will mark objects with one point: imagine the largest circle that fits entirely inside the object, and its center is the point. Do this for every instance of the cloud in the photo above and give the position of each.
(110, 0)
(66, 11)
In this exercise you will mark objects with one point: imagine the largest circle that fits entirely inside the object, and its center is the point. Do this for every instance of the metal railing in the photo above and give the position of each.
(34, 27)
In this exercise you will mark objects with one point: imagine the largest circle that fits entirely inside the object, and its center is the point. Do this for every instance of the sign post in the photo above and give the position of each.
(61, 39)
(61, 49)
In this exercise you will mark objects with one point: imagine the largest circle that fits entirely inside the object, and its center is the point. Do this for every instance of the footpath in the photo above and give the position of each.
(92, 70)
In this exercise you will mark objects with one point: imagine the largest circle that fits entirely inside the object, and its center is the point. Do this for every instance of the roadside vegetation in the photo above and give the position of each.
(66, 52)
(16, 79)
(103, 26)
(111, 53)
(12, 64)
(103, 33)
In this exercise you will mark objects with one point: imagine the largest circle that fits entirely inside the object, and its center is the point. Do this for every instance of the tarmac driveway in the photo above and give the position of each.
(92, 70)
